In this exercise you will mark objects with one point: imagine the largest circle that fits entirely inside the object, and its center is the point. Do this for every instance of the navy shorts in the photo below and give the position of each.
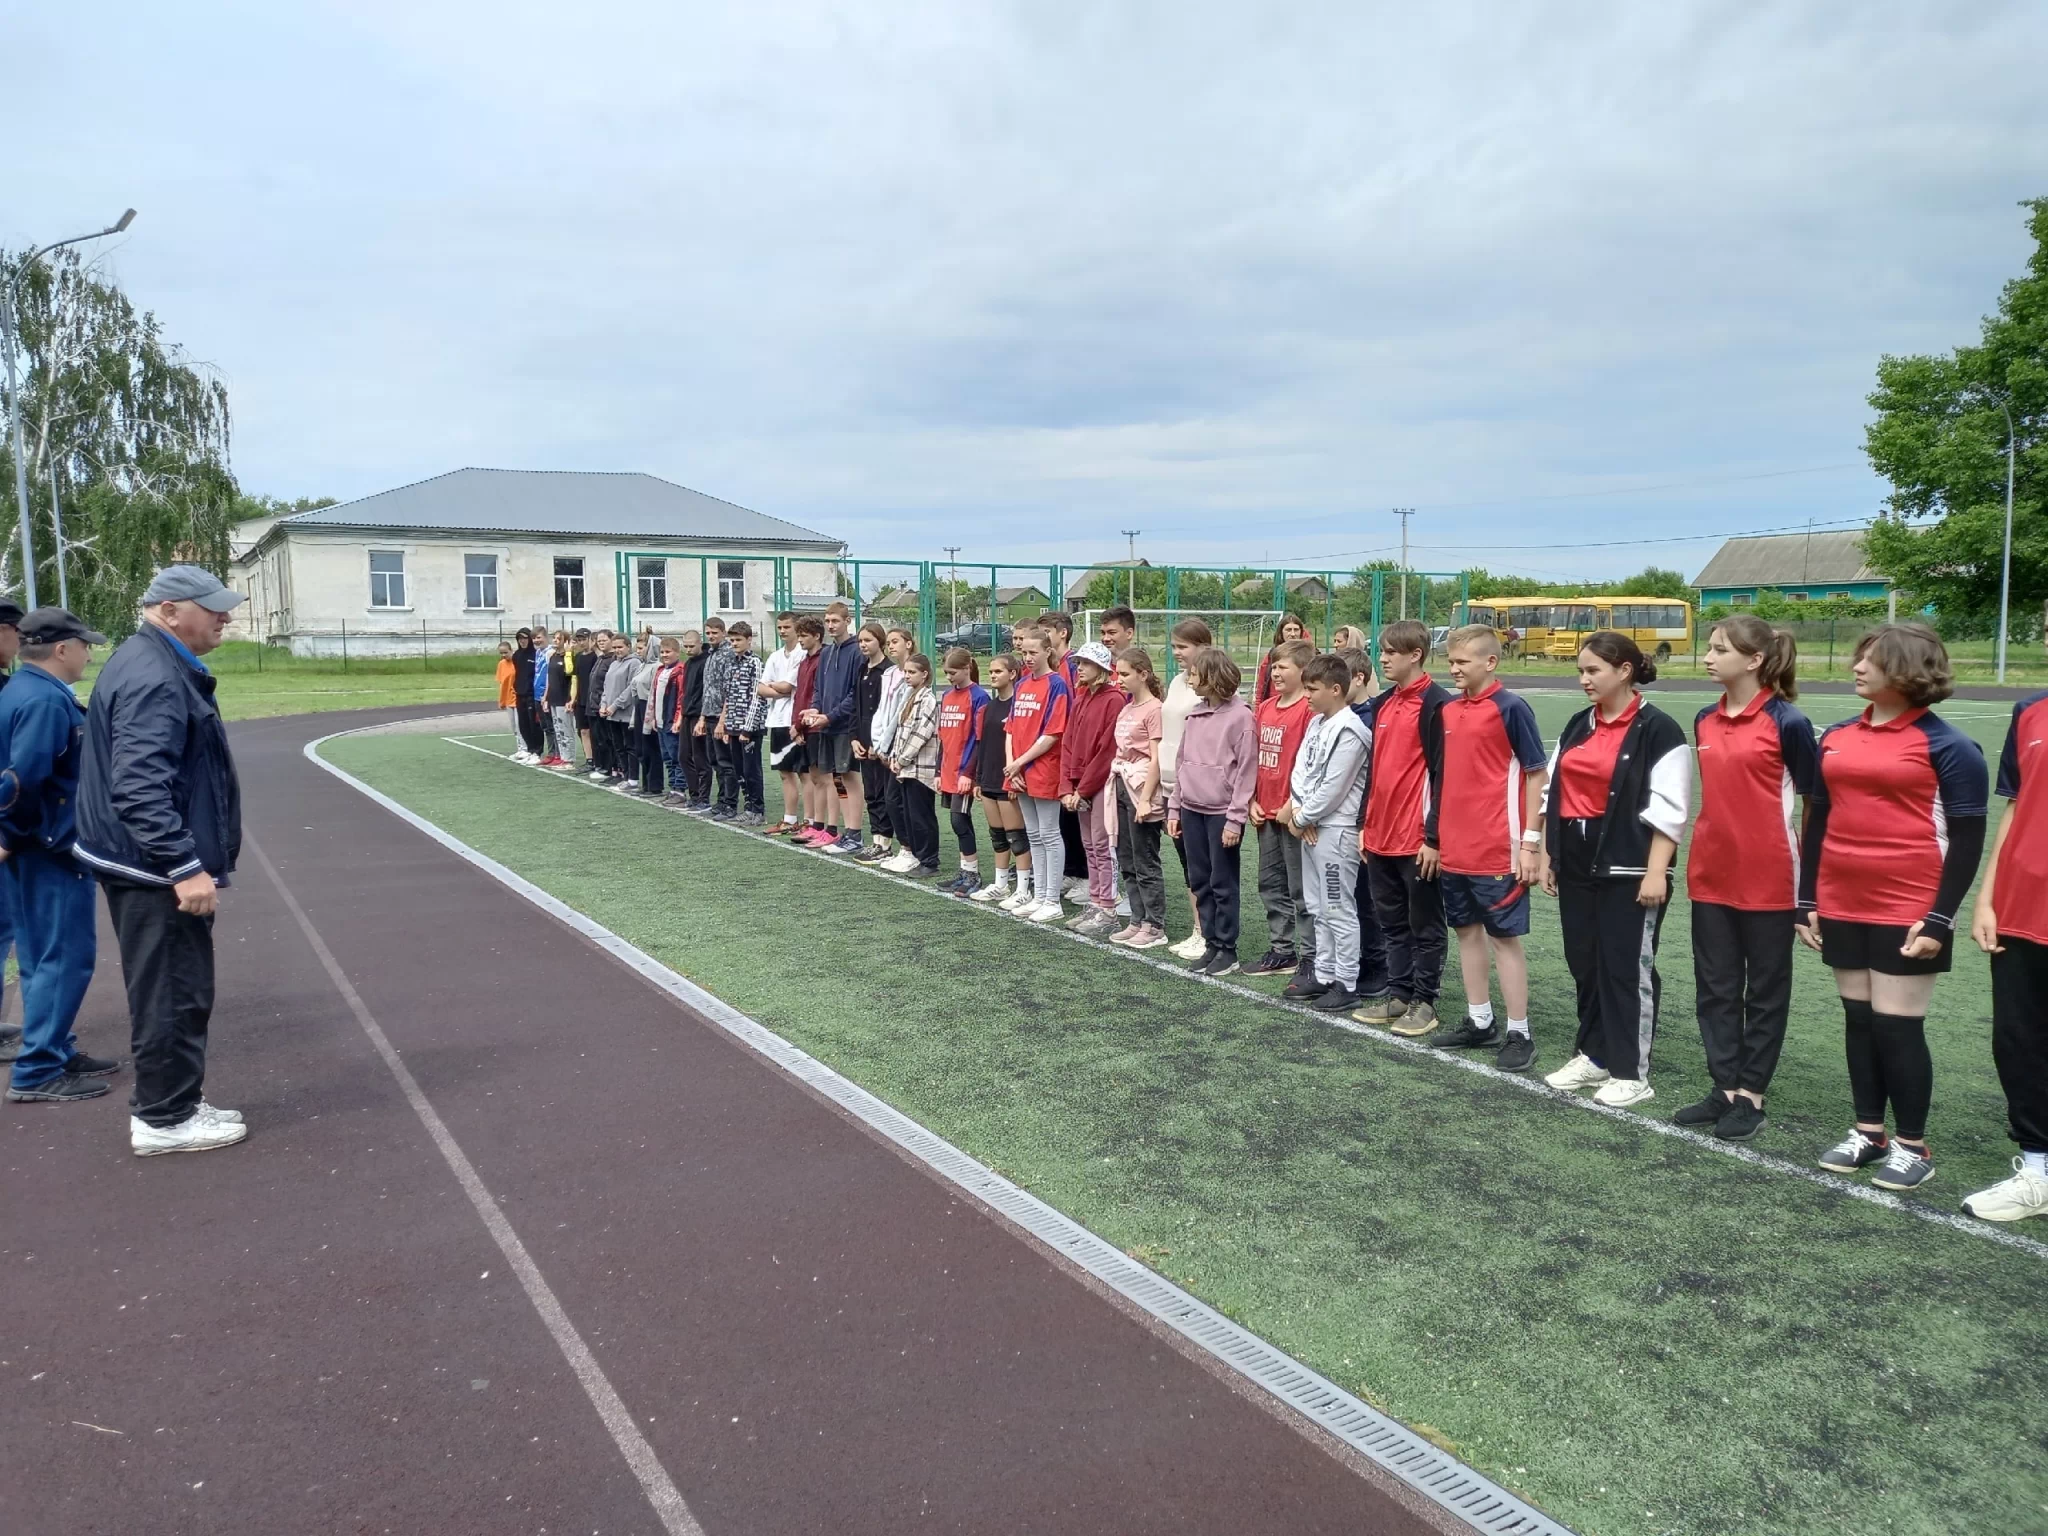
(1500, 902)
(1850, 946)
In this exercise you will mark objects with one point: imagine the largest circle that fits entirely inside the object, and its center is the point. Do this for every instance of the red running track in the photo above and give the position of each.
(316, 1332)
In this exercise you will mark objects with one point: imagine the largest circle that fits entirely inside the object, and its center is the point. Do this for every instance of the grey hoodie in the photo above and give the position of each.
(1328, 783)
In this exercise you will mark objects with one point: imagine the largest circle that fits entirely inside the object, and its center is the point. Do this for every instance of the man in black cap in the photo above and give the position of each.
(160, 824)
(10, 645)
(41, 725)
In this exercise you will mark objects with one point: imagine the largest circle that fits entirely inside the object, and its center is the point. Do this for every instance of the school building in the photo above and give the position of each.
(1804, 567)
(452, 563)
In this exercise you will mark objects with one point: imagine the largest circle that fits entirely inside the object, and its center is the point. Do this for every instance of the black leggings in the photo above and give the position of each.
(530, 732)
(875, 783)
(961, 807)
(920, 820)
(1888, 1061)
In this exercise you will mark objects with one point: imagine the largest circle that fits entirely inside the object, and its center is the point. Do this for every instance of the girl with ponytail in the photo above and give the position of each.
(1757, 761)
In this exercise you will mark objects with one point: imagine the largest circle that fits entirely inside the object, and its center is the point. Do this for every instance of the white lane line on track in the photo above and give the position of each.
(1955, 1221)
(1434, 1474)
(661, 1491)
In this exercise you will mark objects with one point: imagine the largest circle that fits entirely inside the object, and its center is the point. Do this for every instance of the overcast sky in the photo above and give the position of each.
(1016, 277)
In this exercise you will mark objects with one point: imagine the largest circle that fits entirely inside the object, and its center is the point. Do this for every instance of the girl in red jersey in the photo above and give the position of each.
(1006, 837)
(1038, 719)
(1085, 756)
(960, 710)
(1893, 835)
(1757, 759)
(1620, 790)
(2011, 925)
(1291, 628)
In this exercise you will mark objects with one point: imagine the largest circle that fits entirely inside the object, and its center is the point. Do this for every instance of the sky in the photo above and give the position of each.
(1588, 286)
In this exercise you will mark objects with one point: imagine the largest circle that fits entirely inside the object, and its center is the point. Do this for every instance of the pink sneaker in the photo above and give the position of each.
(817, 837)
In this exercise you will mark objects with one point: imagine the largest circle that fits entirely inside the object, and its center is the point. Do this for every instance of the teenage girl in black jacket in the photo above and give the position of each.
(1620, 792)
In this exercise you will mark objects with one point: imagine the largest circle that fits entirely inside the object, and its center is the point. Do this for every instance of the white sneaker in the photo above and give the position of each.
(899, 864)
(1123, 906)
(232, 1116)
(1193, 947)
(1620, 1092)
(2015, 1199)
(1045, 912)
(199, 1133)
(991, 893)
(1019, 900)
(1075, 888)
(1580, 1072)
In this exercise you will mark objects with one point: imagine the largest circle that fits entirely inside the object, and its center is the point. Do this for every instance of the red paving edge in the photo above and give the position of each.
(314, 1332)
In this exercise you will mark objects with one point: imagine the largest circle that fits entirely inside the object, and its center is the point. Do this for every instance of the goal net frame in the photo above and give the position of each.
(1246, 634)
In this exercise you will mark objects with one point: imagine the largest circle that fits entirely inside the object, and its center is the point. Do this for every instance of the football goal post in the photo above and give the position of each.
(1246, 633)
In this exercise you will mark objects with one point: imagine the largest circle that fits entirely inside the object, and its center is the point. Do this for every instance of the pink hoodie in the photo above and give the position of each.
(1217, 763)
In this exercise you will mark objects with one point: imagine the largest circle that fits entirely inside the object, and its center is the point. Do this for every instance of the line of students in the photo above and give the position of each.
(1387, 818)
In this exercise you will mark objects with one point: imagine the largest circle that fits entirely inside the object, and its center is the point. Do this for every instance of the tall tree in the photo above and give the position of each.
(1940, 439)
(134, 435)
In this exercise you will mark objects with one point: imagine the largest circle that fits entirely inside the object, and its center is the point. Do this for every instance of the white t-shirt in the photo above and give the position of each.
(781, 667)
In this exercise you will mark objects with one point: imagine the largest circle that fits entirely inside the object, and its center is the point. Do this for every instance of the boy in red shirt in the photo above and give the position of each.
(1478, 843)
(1280, 721)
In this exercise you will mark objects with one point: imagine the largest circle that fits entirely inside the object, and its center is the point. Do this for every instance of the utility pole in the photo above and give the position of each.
(1404, 513)
(2005, 563)
(1131, 544)
(953, 579)
(10, 324)
(57, 528)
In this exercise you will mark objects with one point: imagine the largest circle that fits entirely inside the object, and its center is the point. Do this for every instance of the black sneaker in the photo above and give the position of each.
(1306, 989)
(1274, 962)
(1471, 1037)
(83, 1065)
(10, 1042)
(1707, 1112)
(1517, 1053)
(1742, 1121)
(1338, 999)
(1208, 958)
(58, 1090)
(1224, 961)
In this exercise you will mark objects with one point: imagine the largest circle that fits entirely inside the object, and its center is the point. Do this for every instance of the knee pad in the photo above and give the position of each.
(839, 783)
(1020, 840)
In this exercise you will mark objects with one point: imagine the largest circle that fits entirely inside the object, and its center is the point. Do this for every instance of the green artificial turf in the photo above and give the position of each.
(1640, 1335)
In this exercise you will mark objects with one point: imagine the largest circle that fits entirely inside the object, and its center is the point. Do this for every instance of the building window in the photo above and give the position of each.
(1741, 599)
(569, 583)
(1840, 594)
(387, 578)
(653, 584)
(1795, 597)
(732, 585)
(480, 581)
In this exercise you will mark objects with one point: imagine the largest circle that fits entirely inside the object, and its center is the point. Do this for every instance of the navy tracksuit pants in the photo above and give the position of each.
(49, 903)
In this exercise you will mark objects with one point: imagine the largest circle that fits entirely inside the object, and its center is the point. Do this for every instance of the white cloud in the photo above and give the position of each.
(1016, 276)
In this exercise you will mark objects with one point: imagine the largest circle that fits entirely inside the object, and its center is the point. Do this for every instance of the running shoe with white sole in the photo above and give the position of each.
(1414, 1020)
(1046, 912)
(65, 1088)
(992, 892)
(1853, 1152)
(1582, 1071)
(1621, 1092)
(1022, 899)
(1193, 947)
(1903, 1168)
(2015, 1199)
(198, 1133)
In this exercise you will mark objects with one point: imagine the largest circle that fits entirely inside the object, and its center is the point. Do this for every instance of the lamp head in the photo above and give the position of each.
(124, 221)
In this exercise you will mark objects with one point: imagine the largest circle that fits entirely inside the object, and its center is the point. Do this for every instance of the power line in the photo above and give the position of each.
(1681, 538)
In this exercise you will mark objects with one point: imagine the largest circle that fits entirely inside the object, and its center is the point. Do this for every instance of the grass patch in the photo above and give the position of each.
(1640, 1335)
(259, 681)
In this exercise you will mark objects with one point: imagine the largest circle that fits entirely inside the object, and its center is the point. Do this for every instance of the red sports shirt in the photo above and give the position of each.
(1490, 743)
(1398, 797)
(1585, 773)
(2019, 885)
(1754, 765)
(1039, 708)
(1280, 729)
(1889, 792)
(959, 720)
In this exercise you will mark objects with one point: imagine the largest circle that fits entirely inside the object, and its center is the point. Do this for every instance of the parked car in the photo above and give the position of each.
(981, 637)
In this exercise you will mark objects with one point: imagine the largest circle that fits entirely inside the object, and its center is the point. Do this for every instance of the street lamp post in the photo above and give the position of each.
(953, 581)
(2005, 562)
(9, 313)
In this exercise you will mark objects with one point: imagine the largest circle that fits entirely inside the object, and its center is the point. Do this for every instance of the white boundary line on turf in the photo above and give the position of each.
(1967, 1225)
(1417, 1463)
(653, 1477)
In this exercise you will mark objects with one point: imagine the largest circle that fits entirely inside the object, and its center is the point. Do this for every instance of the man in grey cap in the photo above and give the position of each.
(41, 730)
(160, 824)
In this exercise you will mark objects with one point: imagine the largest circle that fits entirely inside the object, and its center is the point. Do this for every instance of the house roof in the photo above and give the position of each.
(558, 501)
(1077, 581)
(894, 597)
(1795, 559)
(1006, 595)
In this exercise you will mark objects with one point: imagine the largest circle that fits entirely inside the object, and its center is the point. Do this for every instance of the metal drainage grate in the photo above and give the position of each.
(1438, 1476)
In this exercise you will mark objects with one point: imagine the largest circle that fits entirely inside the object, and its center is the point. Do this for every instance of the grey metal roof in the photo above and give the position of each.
(1788, 559)
(560, 501)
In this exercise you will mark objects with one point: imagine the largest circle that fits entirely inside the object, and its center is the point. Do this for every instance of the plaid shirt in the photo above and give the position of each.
(745, 711)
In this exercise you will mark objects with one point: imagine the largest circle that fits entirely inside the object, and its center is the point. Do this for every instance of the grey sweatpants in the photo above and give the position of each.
(1288, 923)
(1048, 846)
(565, 732)
(1329, 867)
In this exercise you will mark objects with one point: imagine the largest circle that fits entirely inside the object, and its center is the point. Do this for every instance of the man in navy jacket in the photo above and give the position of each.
(160, 824)
(41, 727)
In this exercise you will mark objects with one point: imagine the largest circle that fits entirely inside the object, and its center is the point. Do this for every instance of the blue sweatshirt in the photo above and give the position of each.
(42, 726)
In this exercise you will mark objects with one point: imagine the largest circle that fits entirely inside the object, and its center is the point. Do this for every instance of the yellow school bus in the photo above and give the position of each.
(1557, 626)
